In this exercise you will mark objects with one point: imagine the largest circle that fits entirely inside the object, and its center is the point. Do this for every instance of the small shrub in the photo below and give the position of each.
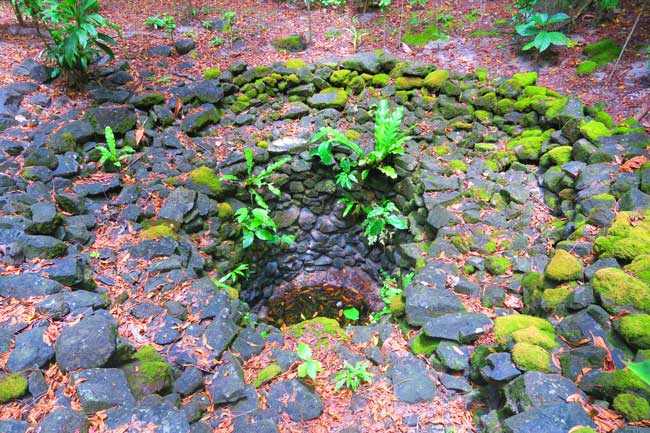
(353, 375)
(110, 153)
(536, 27)
(309, 367)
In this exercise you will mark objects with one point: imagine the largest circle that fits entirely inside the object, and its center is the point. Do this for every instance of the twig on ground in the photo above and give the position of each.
(627, 41)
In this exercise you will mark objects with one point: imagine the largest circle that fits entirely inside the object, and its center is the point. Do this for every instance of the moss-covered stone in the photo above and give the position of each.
(627, 237)
(602, 52)
(586, 68)
(564, 267)
(530, 357)
(635, 329)
(458, 165)
(612, 383)
(397, 306)
(593, 130)
(12, 386)
(505, 326)
(640, 267)
(206, 177)
(211, 73)
(157, 231)
(267, 374)
(525, 78)
(329, 98)
(535, 336)
(552, 298)
(428, 34)
(497, 265)
(619, 291)
(340, 77)
(318, 327)
(408, 83)
(632, 407)
(421, 344)
(481, 74)
(560, 155)
(295, 64)
(380, 80)
(434, 80)
(504, 106)
(293, 43)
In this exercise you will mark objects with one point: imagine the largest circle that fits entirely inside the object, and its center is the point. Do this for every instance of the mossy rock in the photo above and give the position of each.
(627, 237)
(497, 265)
(564, 267)
(612, 383)
(583, 430)
(529, 357)
(505, 326)
(397, 306)
(295, 64)
(266, 374)
(293, 43)
(340, 77)
(319, 327)
(635, 329)
(525, 78)
(458, 165)
(559, 155)
(380, 80)
(206, 177)
(632, 407)
(408, 83)
(602, 52)
(593, 130)
(552, 299)
(640, 267)
(211, 73)
(160, 229)
(148, 373)
(421, 344)
(418, 39)
(12, 386)
(535, 336)
(619, 291)
(329, 98)
(435, 80)
(586, 68)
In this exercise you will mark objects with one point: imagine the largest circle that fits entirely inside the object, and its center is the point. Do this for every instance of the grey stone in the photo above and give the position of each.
(13, 426)
(189, 381)
(152, 410)
(555, 418)
(179, 203)
(227, 384)
(90, 343)
(30, 351)
(102, 388)
(460, 327)
(500, 368)
(295, 399)
(23, 286)
(424, 303)
(63, 420)
(363, 62)
(219, 334)
(412, 382)
(287, 144)
(39, 246)
(534, 389)
(184, 46)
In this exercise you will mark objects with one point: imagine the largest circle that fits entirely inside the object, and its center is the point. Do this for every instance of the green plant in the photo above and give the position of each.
(357, 36)
(352, 205)
(260, 180)
(257, 224)
(420, 3)
(76, 42)
(608, 4)
(378, 220)
(216, 41)
(352, 314)
(228, 21)
(206, 24)
(389, 141)
(309, 367)
(641, 369)
(389, 290)
(163, 80)
(167, 23)
(333, 34)
(110, 153)
(445, 19)
(348, 175)
(353, 375)
(241, 271)
(28, 9)
(94, 254)
(536, 27)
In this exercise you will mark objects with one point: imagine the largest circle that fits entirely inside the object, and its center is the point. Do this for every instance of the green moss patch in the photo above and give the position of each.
(632, 407)
(205, 176)
(530, 357)
(612, 383)
(318, 327)
(564, 267)
(535, 336)
(593, 130)
(12, 386)
(635, 329)
(505, 326)
(497, 265)
(627, 237)
(619, 291)
(430, 33)
(586, 68)
(159, 229)
(211, 73)
(602, 52)
(434, 80)
(267, 374)
(421, 344)
(640, 267)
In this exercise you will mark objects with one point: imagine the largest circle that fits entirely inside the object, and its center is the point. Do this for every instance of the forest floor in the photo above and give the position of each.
(478, 34)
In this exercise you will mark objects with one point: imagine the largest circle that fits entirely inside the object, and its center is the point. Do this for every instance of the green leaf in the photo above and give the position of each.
(558, 38)
(312, 368)
(229, 177)
(641, 369)
(388, 171)
(303, 351)
(264, 235)
(247, 239)
(558, 18)
(528, 46)
(351, 314)
(397, 222)
(542, 41)
(248, 154)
